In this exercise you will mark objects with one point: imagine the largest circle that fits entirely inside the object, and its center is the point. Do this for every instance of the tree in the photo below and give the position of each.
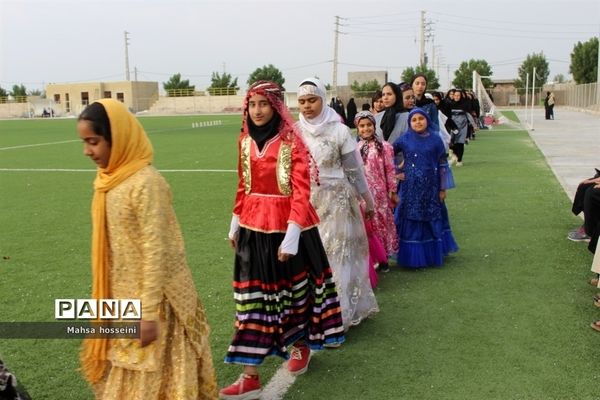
(432, 80)
(584, 61)
(541, 70)
(3, 92)
(222, 85)
(559, 78)
(463, 76)
(36, 92)
(19, 93)
(267, 73)
(366, 89)
(176, 87)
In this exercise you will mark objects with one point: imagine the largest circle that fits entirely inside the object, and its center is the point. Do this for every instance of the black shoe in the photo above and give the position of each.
(384, 267)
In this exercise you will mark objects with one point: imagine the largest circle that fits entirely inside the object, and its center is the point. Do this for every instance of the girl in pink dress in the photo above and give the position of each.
(378, 158)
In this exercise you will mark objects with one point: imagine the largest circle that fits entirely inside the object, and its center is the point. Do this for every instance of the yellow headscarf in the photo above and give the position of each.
(131, 151)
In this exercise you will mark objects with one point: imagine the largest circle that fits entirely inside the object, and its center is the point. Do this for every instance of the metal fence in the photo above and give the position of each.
(579, 96)
(17, 99)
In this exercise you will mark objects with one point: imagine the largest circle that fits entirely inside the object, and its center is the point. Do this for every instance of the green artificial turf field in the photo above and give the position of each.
(506, 317)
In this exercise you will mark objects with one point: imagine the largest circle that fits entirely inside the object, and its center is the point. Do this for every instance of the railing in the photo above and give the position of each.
(222, 91)
(180, 92)
(16, 99)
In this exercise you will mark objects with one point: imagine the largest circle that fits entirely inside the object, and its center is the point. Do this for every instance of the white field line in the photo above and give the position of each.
(77, 140)
(279, 384)
(197, 170)
(94, 170)
(38, 144)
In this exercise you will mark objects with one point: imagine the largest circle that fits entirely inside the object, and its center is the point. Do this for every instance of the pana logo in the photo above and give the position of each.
(98, 309)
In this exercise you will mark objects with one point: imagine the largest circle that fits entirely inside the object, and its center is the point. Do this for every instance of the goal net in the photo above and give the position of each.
(486, 104)
(43, 108)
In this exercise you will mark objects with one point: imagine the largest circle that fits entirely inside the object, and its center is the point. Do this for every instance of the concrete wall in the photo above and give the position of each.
(233, 104)
(14, 110)
(366, 76)
(144, 95)
(197, 105)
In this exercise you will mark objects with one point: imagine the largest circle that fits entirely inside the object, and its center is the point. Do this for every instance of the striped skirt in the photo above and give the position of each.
(279, 303)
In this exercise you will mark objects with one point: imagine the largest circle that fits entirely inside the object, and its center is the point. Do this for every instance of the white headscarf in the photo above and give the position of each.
(327, 114)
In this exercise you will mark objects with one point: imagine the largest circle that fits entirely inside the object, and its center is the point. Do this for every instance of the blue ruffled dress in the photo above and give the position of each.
(421, 218)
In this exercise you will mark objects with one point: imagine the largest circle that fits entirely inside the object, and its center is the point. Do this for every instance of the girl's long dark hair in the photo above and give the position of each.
(96, 115)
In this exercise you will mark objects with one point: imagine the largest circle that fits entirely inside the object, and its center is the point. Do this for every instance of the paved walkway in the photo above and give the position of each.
(570, 143)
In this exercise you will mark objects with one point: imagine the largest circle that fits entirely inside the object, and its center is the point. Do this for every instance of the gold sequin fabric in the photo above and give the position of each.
(147, 262)
(245, 161)
(284, 169)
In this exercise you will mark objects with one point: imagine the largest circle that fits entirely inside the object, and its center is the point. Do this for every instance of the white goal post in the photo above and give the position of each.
(39, 107)
(485, 102)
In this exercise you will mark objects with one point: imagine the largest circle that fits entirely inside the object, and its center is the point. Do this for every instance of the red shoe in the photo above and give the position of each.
(246, 387)
(299, 359)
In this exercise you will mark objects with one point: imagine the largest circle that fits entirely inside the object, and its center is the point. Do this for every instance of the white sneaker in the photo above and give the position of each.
(459, 164)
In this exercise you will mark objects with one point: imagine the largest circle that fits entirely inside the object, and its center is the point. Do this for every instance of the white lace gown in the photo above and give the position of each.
(341, 228)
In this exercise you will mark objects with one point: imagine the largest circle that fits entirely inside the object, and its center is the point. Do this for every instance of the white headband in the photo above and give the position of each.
(310, 90)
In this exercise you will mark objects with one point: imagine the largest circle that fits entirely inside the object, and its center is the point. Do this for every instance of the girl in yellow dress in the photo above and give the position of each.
(138, 253)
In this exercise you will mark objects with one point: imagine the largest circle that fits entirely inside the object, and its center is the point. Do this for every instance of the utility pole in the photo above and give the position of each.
(135, 74)
(432, 53)
(426, 35)
(422, 47)
(335, 54)
(437, 57)
(126, 56)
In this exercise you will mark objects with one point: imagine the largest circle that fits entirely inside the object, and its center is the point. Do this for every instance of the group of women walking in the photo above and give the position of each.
(309, 201)
(311, 206)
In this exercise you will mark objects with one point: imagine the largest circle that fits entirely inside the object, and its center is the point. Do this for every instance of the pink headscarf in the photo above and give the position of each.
(274, 95)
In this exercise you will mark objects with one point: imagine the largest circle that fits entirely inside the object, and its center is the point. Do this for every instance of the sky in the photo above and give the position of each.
(64, 41)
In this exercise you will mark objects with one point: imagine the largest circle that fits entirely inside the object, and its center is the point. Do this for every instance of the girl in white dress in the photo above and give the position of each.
(335, 196)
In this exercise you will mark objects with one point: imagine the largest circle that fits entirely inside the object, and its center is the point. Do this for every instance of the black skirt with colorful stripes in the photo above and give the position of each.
(278, 303)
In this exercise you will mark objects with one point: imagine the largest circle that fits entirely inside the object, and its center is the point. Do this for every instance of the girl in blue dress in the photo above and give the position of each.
(421, 217)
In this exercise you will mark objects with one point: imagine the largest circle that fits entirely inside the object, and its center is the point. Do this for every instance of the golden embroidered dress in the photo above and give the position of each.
(144, 258)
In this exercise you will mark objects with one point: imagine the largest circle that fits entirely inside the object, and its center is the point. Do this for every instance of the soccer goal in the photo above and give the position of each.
(43, 108)
(487, 106)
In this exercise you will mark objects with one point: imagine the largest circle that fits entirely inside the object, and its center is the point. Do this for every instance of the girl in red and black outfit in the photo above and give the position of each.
(283, 286)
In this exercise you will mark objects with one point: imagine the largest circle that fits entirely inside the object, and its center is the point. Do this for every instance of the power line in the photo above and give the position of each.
(385, 16)
(507, 35)
(307, 65)
(520, 30)
(386, 36)
(462, 19)
(375, 31)
(374, 66)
